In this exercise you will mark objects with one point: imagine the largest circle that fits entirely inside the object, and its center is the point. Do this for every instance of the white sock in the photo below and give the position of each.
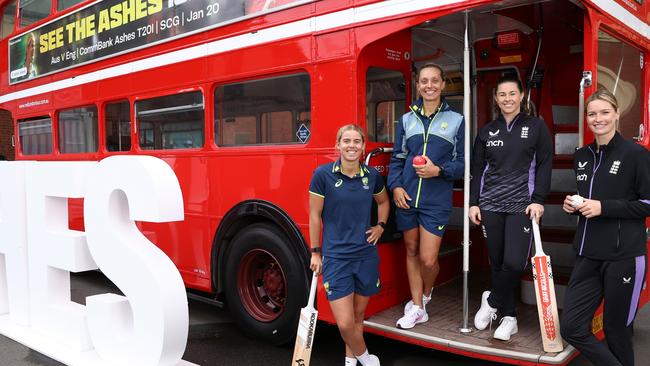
(350, 361)
(364, 358)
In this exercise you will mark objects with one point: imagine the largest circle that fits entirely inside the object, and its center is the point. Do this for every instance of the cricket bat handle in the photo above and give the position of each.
(312, 291)
(539, 250)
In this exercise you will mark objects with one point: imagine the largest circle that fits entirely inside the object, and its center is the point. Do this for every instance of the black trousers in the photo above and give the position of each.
(509, 240)
(619, 283)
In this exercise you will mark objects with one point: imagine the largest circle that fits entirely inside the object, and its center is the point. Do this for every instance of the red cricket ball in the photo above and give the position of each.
(419, 160)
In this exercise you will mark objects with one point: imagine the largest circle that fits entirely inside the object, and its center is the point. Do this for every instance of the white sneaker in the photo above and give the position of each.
(425, 301)
(371, 360)
(416, 315)
(486, 314)
(507, 328)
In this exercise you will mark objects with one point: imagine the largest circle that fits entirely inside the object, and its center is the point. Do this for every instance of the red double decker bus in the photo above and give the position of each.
(242, 98)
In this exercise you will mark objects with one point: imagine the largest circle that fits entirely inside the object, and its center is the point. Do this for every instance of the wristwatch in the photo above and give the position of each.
(382, 224)
(315, 250)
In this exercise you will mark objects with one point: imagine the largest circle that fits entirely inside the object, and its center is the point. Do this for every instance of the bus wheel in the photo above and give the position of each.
(266, 283)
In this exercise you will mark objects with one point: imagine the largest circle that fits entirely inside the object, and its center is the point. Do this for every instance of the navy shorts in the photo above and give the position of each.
(413, 217)
(342, 277)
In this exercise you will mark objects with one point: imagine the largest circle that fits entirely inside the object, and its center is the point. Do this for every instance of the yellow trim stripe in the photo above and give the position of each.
(380, 192)
(316, 194)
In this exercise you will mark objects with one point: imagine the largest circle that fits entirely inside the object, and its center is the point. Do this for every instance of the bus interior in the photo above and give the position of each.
(541, 42)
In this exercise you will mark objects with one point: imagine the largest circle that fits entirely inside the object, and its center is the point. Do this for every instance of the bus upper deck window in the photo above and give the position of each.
(64, 4)
(8, 19)
(32, 11)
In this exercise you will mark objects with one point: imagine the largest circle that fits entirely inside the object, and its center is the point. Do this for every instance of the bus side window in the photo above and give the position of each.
(118, 126)
(385, 102)
(8, 19)
(35, 135)
(78, 130)
(171, 122)
(33, 11)
(267, 111)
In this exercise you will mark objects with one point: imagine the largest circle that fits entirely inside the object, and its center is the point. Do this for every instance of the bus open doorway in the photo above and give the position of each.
(505, 39)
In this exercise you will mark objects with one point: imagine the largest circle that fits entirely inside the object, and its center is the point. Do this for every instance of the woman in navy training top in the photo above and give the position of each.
(422, 193)
(340, 203)
(613, 178)
(511, 176)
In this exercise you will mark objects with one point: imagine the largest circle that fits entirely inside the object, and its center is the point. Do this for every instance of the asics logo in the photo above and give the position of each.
(492, 134)
(494, 143)
(338, 183)
(581, 177)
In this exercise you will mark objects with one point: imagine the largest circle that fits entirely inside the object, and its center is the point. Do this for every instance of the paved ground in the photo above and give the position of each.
(215, 340)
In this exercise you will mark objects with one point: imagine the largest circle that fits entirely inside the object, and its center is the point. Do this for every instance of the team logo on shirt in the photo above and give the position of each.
(338, 183)
(524, 132)
(627, 280)
(581, 177)
(441, 227)
(527, 230)
(615, 165)
(582, 165)
(364, 180)
(493, 134)
(443, 126)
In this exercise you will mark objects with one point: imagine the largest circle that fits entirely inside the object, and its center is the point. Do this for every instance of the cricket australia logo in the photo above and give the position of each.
(582, 165)
(524, 132)
(364, 180)
(615, 165)
(493, 134)
(443, 126)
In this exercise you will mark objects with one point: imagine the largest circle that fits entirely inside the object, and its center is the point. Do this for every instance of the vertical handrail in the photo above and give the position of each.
(464, 328)
(584, 83)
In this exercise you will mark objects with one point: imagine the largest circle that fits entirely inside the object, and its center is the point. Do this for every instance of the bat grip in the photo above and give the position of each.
(312, 291)
(539, 250)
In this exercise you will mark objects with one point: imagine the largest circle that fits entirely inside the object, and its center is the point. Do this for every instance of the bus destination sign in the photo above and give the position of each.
(110, 27)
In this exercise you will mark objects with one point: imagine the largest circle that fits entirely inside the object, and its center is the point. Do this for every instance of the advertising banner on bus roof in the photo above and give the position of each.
(111, 27)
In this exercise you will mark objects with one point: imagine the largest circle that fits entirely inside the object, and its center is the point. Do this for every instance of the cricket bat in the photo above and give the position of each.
(549, 321)
(306, 329)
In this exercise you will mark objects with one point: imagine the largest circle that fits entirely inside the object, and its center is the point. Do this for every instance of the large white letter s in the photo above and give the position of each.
(149, 326)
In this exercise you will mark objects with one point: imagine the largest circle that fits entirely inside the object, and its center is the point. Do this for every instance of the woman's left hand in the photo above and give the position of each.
(428, 170)
(535, 210)
(590, 208)
(375, 233)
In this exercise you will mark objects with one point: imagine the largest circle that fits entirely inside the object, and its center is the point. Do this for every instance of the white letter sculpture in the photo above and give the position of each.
(146, 326)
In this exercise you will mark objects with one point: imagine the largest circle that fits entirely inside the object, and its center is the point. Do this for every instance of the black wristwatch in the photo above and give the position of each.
(315, 250)
(382, 224)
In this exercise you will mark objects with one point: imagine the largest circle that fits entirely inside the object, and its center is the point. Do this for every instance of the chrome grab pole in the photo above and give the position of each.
(377, 151)
(465, 328)
(585, 82)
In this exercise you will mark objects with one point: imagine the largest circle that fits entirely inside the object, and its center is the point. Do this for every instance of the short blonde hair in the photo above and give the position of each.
(604, 95)
(350, 127)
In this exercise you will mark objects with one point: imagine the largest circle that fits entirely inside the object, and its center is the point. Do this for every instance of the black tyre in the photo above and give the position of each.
(266, 283)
